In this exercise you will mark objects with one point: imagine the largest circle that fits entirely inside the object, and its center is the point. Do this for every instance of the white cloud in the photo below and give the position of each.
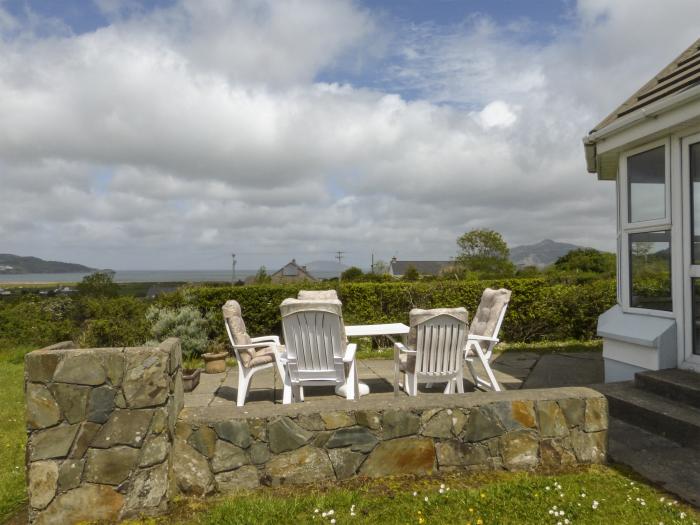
(171, 137)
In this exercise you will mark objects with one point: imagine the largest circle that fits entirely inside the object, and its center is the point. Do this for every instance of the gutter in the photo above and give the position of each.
(650, 111)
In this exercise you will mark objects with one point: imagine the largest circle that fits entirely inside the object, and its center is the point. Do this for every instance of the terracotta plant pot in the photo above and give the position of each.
(190, 378)
(215, 363)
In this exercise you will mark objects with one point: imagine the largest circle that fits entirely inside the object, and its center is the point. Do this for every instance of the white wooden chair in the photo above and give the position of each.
(317, 351)
(435, 349)
(483, 335)
(253, 354)
(317, 295)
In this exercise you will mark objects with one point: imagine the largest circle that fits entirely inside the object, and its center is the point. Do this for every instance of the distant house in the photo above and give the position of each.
(5, 292)
(291, 273)
(398, 268)
(65, 290)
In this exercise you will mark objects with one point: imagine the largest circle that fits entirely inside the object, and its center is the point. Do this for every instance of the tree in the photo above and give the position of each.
(586, 260)
(380, 267)
(411, 274)
(98, 284)
(485, 253)
(352, 274)
(261, 277)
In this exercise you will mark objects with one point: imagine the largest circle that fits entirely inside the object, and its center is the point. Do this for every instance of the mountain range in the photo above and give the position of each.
(540, 254)
(16, 264)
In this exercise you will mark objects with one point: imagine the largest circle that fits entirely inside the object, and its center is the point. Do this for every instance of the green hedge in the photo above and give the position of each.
(538, 310)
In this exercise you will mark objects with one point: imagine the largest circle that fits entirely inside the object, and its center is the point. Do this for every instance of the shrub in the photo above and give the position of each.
(538, 310)
(117, 321)
(186, 322)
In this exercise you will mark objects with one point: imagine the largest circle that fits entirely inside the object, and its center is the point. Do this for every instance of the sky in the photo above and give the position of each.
(168, 134)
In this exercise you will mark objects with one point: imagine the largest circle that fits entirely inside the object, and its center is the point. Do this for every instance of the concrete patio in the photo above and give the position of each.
(514, 370)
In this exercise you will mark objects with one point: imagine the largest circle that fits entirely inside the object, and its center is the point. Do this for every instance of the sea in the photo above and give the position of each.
(145, 276)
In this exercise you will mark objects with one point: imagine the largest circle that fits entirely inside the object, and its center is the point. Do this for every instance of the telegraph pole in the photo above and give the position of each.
(372, 262)
(233, 269)
(339, 255)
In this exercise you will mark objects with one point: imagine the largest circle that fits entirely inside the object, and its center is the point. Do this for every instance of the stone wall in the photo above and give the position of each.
(221, 449)
(100, 427)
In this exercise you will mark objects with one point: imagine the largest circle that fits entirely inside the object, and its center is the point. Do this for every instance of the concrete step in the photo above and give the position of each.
(679, 385)
(658, 414)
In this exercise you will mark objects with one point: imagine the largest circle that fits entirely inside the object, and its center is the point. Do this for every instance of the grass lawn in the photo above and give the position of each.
(587, 495)
(12, 433)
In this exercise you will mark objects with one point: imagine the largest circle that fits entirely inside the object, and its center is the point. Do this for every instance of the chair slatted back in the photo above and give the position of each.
(440, 345)
(315, 344)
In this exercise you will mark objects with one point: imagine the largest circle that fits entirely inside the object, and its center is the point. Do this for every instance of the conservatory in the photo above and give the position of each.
(650, 148)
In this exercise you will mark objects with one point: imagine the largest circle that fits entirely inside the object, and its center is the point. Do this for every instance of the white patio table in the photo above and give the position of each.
(389, 330)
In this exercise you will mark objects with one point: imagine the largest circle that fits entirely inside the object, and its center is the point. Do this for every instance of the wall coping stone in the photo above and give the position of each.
(213, 414)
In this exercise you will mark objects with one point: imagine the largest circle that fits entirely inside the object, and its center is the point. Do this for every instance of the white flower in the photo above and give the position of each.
(323, 515)
(566, 521)
(583, 494)
(333, 520)
(425, 499)
(442, 485)
(352, 513)
(682, 515)
(415, 493)
(547, 487)
(551, 511)
(595, 504)
(331, 512)
(561, 494)
(316, 511)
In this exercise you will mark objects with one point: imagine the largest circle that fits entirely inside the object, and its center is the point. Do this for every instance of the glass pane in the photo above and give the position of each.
(696, 316)
(695, 196)
(650, 270)
(646, 184)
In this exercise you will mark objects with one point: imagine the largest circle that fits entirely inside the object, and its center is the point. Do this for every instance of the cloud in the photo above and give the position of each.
(173, 136)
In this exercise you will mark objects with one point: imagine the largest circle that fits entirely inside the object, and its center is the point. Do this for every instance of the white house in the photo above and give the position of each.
(650, 148)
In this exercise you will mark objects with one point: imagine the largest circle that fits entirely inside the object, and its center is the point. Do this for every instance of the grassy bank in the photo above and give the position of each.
(587, 495)
(12, 433)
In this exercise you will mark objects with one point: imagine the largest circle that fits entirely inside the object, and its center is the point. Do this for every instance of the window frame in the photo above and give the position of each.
(627, 227)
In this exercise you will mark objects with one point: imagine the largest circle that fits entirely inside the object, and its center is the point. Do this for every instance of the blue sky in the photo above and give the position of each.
(166, 135)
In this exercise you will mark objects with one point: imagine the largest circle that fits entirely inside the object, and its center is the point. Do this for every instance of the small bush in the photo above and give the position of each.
(186, 322)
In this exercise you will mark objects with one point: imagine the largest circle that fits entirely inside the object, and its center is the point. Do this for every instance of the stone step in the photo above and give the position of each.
(658, 414)
(679, 385)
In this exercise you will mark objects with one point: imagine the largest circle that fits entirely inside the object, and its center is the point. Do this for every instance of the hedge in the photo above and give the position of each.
(539, 310)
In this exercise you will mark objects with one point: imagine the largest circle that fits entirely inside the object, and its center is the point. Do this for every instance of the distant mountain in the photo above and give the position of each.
(325, 266)
(541, 254)
(16, 264)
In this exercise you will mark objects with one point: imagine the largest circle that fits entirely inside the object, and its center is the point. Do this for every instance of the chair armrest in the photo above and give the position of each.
(403, 348)
(273, 338)
(482, 338)
(350, 350)
(261, 344)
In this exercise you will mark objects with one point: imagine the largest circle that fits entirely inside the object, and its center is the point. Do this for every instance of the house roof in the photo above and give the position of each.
(292, 269)
(682, 73)
(423, 267)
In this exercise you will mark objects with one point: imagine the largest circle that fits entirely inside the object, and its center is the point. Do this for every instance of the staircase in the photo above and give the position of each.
(655, 428)
(665, 402)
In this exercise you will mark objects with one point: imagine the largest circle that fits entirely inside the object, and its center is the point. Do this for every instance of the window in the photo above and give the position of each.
(650, 270)
(646, 229)
(646, 183)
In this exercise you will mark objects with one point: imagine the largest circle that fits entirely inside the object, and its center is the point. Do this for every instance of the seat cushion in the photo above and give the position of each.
(263, 356)
(417, 316)
(486, 318)
(317, 295)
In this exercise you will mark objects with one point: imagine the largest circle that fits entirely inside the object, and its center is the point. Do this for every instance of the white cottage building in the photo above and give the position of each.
(650, 148)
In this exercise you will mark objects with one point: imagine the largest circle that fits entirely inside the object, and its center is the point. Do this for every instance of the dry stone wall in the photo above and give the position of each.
(101, 425)
(222, 450)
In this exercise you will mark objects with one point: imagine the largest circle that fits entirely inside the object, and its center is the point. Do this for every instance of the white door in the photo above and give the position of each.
(690, 164)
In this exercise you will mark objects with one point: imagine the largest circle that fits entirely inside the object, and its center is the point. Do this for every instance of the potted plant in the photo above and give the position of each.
(215, 359)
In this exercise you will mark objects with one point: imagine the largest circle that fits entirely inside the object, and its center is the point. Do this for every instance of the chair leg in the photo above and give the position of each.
(485, 363)
(244, 376)
(296, 393)
(351, 386)
(460, 383)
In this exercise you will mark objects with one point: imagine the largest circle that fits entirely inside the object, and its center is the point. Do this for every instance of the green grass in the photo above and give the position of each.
(12, 431)
(486, 498)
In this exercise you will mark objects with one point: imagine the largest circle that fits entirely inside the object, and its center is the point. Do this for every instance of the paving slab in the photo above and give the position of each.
(657, 459)
(566, 369)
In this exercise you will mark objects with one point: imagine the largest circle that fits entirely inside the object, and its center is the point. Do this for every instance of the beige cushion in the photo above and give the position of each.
(492, 304)
(418, 316)
(317, 295)
(232, 317)
(263, 356)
